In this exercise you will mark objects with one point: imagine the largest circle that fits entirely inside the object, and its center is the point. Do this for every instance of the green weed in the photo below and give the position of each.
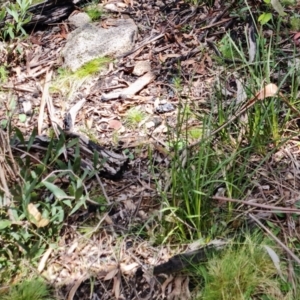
(94, 12)
(19, 15)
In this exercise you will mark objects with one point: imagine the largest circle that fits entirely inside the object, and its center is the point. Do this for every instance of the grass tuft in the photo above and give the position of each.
(134, 116)
(244, 272)
(35, 289)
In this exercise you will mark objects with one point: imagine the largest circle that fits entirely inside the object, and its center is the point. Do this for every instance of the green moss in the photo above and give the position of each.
(295, 23)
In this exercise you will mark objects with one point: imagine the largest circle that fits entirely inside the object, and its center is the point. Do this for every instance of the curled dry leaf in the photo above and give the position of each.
(270, 90)
(129, 269)
(36, 217)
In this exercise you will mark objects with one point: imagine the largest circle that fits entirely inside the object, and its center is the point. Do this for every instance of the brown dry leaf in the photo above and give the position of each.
(44, 259)
(116, 286)
(269, 90)
(63, 31)
(129, 269)
(165, 284)
(188, 62)
(37, 216)
(114, 124)
(111, 274)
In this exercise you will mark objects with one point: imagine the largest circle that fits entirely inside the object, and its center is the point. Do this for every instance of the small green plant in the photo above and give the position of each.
(295, 22)
(3, 74)
(195, 133)
(44, 218)
(134, 116)
(227, 47)
(94, 12)
(34, 289)
(19, 17)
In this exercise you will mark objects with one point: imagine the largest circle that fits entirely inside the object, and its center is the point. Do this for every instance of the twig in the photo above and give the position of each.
(265, 206)
(292, 254)
(142, 45)
(44, 100)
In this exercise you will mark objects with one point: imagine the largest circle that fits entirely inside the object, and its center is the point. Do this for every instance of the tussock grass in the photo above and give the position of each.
(34, 289)
(243, 272)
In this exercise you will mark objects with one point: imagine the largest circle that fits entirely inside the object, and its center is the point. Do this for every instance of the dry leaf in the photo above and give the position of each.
(116, 287)
(34, 212)
(111, 274)
(129, 269)
(270, 90)
(44, 259)
(36, 216)
(114, 124)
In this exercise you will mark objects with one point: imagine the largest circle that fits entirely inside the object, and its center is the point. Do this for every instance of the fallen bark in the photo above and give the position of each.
(183, 261)
(47, 12)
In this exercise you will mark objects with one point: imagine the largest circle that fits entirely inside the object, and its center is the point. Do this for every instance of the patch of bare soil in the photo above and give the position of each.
(104, 256)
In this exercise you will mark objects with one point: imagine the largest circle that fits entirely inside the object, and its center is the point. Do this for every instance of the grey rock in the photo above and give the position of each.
(79, 19)
(89, 42)
(164, 108)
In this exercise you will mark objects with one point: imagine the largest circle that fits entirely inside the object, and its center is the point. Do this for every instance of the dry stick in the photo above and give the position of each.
(248, 105)
(135, 87)
(215, 24)
(43, 101)
(103, 189)
(233, 118)
(275, 208)
(296, 258)
(142, 45)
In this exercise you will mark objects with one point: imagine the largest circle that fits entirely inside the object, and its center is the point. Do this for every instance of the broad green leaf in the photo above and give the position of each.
(2, 14)
(19, 135)
(264, 18)
(4, 123)
(78, 205)
(4, 224)
(22, 118)
(32, 138)
(13, 13)
(67, 202)
(58, 193)
(278, 7)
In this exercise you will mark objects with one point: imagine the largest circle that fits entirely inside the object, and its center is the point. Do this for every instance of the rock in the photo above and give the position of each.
(89, 42)
(80, 19)
(164, 108)
(141, 67)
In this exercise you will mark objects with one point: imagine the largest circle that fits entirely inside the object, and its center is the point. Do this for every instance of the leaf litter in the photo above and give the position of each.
(169, 48)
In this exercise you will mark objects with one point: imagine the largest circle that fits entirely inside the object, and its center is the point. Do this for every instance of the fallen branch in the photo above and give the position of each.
(134, 88)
